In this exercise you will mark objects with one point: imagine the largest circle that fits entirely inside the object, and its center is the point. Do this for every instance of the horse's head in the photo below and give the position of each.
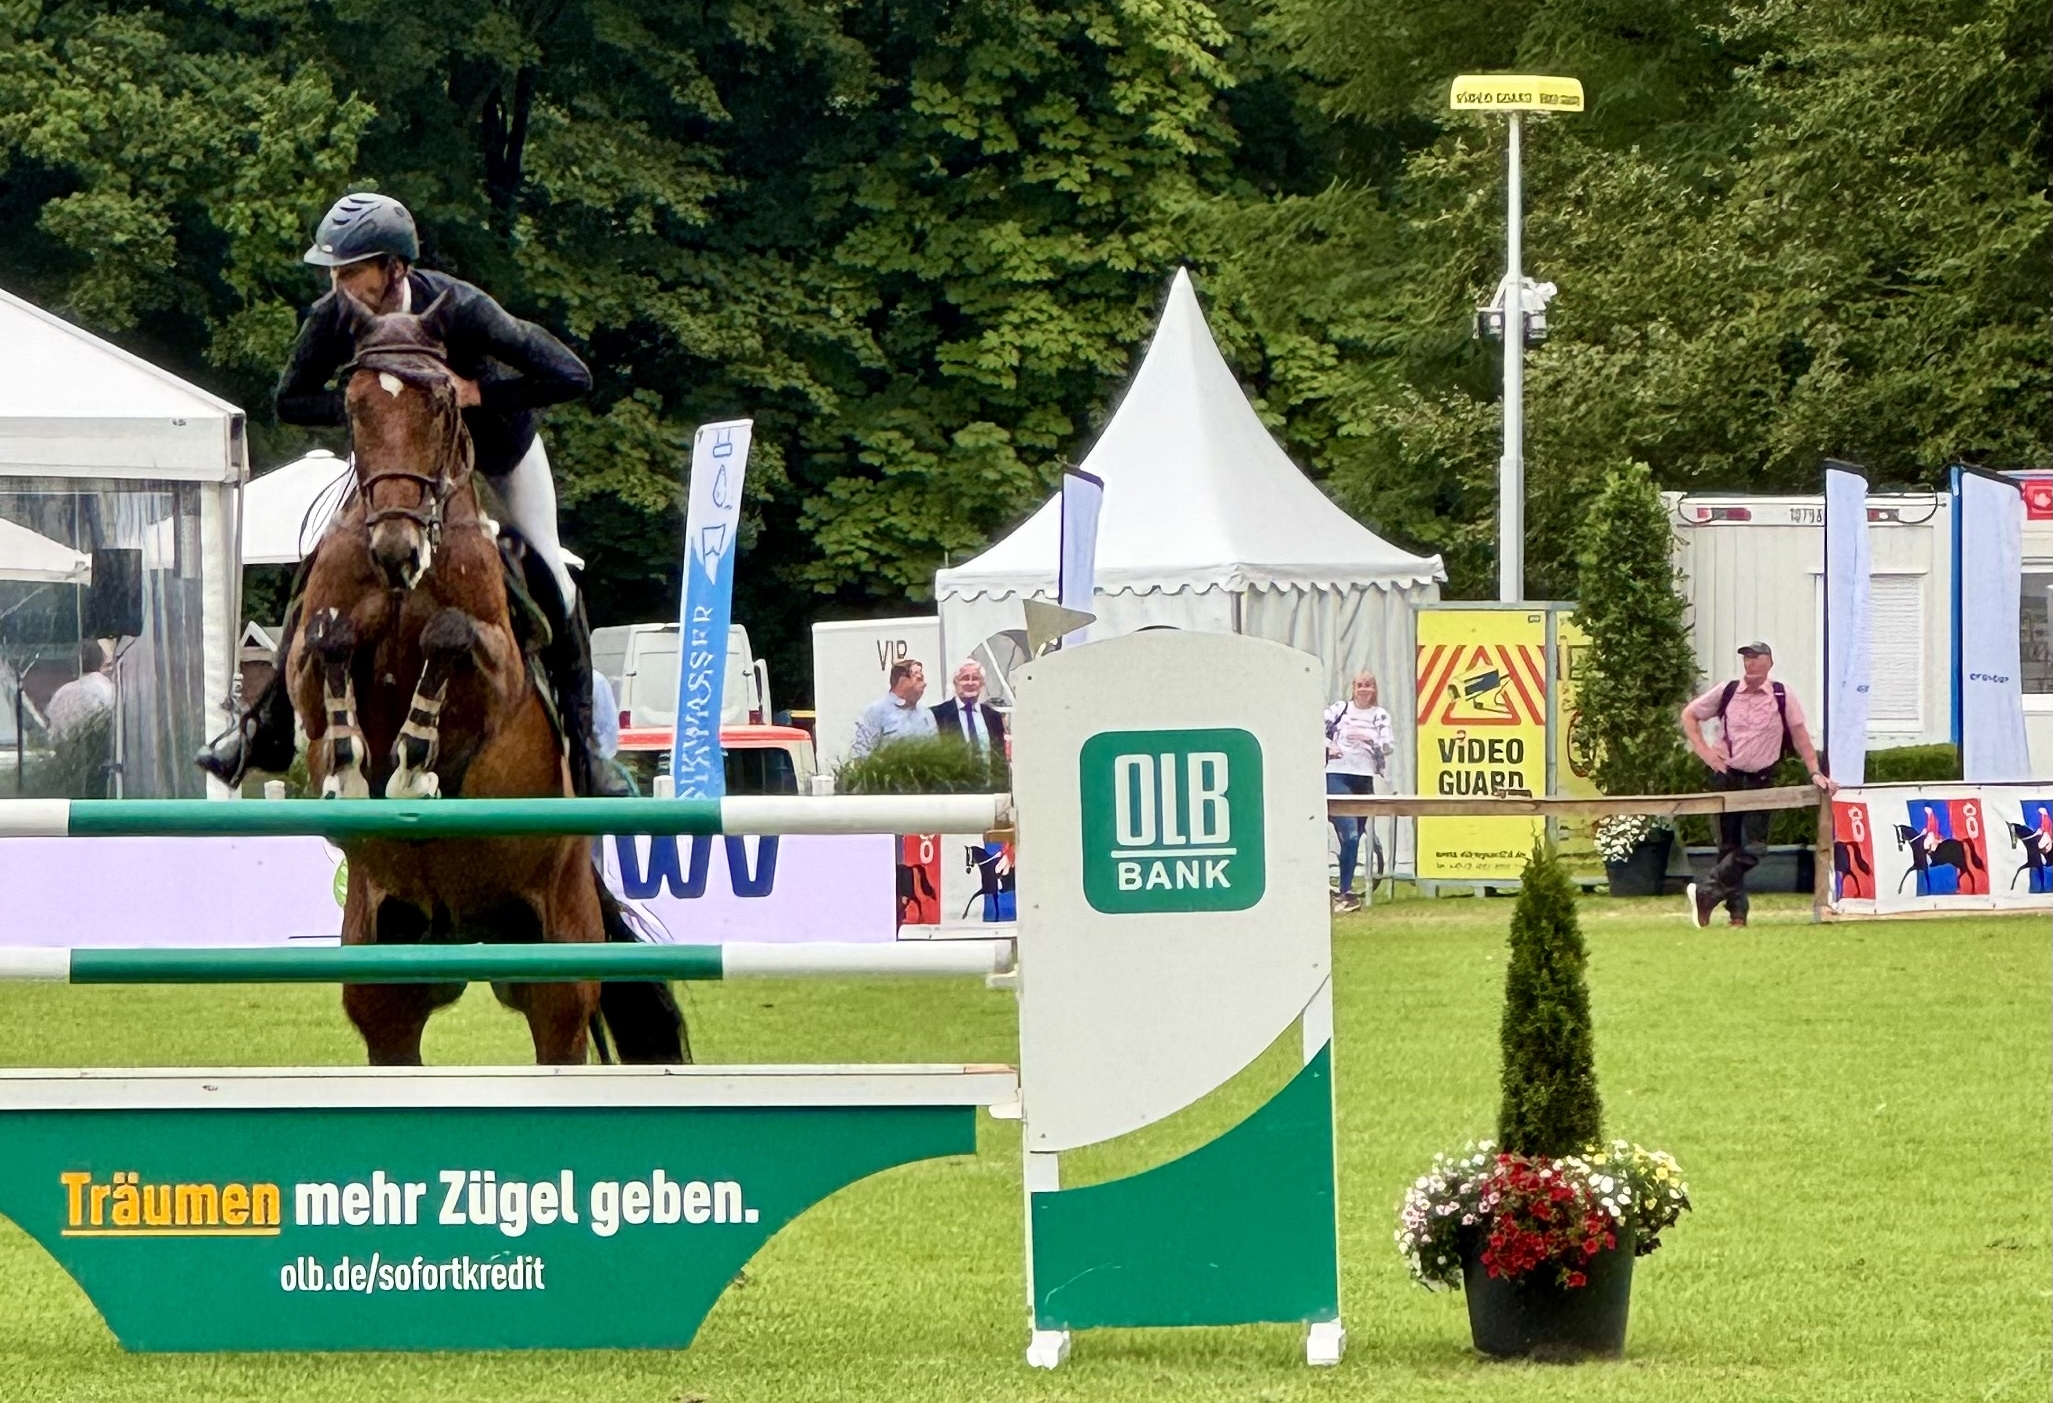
(407, 431)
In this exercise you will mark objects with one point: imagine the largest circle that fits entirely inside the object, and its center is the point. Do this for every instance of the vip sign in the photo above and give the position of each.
(1172, 821)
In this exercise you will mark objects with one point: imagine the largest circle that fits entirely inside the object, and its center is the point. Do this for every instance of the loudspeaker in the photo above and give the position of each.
(114, 601)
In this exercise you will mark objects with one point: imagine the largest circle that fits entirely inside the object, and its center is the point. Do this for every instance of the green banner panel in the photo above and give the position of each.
(1237, 1231)
(432, 1229)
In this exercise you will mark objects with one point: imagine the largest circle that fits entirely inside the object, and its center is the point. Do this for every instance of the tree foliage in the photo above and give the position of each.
(1640, 666)
(1550, 1106)
(920, 242)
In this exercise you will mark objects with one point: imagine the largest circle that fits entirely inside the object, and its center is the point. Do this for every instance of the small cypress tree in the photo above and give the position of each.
(1550, 1102)
(1641, 668)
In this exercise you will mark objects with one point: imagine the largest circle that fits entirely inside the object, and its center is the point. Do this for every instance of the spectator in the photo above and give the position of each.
(1359, 743)
(76, 706)
(897, 713)
(1760, 721)
(967, 715)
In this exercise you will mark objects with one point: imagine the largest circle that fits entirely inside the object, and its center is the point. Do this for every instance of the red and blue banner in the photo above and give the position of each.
(1930, 848)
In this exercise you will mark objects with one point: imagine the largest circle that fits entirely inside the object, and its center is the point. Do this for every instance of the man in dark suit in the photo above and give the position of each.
(966, 715)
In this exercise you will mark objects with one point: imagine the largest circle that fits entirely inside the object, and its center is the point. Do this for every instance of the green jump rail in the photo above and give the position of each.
(358, 820)
(428, 964)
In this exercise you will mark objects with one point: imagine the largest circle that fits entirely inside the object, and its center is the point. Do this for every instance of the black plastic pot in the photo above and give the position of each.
(1535, 1318)
(1640, 874)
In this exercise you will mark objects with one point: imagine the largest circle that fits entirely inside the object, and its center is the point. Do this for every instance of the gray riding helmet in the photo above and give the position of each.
(363, 226)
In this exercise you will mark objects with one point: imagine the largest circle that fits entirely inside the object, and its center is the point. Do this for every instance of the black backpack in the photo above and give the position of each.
(1781, 710)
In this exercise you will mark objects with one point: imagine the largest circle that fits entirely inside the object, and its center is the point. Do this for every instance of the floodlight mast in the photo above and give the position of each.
(1514, 95)
(1511, 467)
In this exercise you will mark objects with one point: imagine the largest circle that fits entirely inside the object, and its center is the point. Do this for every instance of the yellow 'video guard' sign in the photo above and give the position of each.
(1515, 92)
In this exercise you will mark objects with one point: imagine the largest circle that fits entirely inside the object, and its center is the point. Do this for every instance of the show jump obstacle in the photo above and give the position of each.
(1172, 927)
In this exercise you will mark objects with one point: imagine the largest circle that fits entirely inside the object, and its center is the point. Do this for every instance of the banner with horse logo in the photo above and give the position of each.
(1932, 848)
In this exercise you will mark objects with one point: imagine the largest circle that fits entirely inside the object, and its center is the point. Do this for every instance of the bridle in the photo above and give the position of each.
(455, 455)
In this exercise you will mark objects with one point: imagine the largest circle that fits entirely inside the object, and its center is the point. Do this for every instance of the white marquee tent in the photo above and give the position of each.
(102, 450)
(1208, 525)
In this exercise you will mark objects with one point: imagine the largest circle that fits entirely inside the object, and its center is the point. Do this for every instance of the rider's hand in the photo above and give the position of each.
(466, 392)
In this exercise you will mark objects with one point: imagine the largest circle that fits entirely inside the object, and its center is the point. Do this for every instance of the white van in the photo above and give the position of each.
(640, 661)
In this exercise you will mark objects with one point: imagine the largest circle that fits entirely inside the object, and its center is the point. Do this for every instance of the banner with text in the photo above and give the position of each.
(1482, 730)
(1847, 567)
(712, 520)
(1989, 512)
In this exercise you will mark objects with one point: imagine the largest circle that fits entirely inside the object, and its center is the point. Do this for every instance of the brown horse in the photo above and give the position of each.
(410, 681)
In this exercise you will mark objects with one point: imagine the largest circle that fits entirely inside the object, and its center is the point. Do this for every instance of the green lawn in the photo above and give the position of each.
(1862, 1110)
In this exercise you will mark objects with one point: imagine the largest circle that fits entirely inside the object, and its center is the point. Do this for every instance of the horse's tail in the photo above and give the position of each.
(642, 1015)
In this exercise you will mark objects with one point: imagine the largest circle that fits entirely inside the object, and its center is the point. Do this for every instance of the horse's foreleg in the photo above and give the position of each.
(447, 640)
(332, 638)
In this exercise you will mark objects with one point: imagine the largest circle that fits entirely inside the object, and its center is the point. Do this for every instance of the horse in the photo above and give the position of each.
(2038, 854)
(408, 676)
(1927, 852)
(1852, 869)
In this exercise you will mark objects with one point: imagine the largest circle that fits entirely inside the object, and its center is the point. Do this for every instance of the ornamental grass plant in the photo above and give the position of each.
(1549, 1192)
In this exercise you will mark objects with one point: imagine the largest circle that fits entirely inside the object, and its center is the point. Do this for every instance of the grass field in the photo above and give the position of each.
(1863, 1111)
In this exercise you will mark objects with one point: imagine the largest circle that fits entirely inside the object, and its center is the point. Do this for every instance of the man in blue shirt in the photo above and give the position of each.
(897, 713)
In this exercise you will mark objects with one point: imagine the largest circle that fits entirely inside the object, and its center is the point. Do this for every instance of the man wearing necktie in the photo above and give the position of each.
(966, 715)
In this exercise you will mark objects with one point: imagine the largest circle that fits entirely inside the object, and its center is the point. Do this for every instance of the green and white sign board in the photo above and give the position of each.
(1173, 924)
(1172, 820)
(514, 1208)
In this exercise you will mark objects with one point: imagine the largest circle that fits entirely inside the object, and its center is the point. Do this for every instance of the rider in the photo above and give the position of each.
(504, 369)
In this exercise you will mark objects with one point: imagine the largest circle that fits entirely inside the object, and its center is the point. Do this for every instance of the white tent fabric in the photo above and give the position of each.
(80, 415)
(1208, 525)
(24, 555)
(285, 511)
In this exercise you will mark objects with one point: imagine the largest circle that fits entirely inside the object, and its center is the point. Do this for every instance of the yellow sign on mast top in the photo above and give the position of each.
(1515, 92)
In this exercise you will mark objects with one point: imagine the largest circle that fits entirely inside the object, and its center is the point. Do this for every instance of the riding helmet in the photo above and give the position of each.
(363, 226)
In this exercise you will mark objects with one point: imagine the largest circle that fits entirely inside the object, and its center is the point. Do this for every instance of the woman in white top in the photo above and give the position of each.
(1359, 743)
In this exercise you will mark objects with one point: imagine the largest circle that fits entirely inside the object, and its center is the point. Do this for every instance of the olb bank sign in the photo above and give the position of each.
(1172, 821)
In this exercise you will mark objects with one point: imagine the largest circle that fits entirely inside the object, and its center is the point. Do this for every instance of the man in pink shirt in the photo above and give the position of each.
(1760, 722)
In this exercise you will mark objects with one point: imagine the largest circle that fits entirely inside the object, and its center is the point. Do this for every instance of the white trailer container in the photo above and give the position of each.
(1753, 567)
(640, 661)
(852, 668)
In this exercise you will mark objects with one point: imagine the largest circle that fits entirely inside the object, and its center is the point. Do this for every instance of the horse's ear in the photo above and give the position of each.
(435, 321)
(356, 317)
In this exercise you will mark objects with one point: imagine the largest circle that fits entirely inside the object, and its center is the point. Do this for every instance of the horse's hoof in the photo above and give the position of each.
(349, 785)
(413, 784)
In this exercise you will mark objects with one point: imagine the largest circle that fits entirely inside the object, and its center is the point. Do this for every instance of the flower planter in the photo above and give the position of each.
(1534, 1318)
(1641, 873)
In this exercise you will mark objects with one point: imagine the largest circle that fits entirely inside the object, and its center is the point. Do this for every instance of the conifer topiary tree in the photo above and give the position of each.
(1550, 1102)
(1640, 667)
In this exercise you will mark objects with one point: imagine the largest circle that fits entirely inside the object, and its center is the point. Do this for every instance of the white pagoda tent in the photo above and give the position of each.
(1207, 524)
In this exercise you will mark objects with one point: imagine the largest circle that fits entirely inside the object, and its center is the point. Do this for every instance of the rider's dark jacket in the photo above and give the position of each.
(518, 367)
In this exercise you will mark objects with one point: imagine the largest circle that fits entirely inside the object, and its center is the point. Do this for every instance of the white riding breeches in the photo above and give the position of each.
(528, 494)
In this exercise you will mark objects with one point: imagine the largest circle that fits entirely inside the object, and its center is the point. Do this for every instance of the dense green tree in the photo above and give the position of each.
(1640, 666)
(1782, 232)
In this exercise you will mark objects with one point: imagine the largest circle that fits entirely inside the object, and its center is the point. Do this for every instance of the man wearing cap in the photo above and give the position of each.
(504, 369)
(1760, 722)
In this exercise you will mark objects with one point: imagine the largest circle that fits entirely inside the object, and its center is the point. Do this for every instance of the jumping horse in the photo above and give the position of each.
(411, 680)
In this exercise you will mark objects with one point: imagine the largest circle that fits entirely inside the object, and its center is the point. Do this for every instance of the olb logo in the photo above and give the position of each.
(1172, 821)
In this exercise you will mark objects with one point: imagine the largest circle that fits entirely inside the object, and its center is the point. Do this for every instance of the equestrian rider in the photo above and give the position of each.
(504, 369)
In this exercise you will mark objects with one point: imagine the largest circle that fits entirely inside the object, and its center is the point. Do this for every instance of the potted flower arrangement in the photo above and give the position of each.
(1639, 670)
(1541, 1226)
(1635, 851)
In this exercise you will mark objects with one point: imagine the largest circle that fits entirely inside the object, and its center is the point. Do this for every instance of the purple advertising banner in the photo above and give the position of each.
(144, 892)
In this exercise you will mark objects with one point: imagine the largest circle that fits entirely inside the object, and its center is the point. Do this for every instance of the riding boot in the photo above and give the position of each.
(567, 659)
(262, 737)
